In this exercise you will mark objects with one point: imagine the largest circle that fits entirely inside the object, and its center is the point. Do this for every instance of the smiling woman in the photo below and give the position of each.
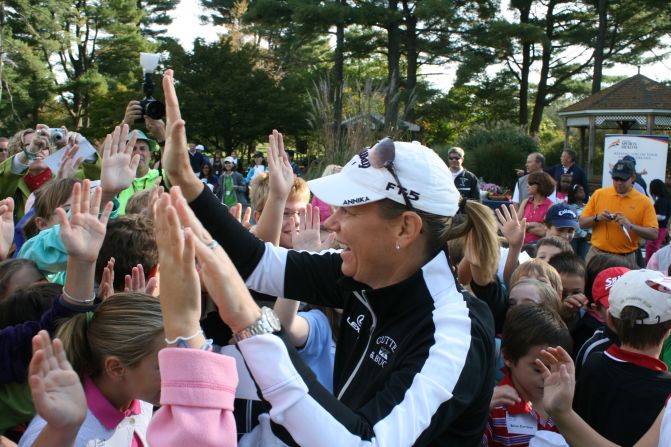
(421, 345)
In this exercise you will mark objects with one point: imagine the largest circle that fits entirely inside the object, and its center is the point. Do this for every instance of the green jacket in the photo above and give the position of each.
(139, 184)
(11, 182)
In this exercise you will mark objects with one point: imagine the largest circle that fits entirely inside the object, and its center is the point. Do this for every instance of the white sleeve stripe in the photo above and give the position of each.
(268, 276)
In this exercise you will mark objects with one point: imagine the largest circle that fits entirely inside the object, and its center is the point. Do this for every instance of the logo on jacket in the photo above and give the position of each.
(383, 349)
(356, 324)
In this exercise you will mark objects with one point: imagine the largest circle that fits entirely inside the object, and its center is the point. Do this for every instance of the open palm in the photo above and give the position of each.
(282, 178)
(6, 226)
(55, 387)
(83, 234)
(118, 164)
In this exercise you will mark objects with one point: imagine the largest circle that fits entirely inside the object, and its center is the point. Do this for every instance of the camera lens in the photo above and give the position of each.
(154, 109)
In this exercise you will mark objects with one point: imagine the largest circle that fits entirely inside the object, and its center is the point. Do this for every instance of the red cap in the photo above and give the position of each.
(603, 283)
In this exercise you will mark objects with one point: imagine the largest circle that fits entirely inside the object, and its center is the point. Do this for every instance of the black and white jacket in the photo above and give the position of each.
(414, 361)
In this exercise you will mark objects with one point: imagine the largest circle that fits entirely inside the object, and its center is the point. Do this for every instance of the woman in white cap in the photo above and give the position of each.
(231, 185)
(414, 361)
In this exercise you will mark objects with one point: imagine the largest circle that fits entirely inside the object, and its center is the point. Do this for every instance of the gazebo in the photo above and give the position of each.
(636, 103)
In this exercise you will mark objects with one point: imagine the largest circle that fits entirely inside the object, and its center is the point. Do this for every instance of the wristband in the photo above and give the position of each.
(76, 300)
(182, 341)
(631, 225)
(596, 218)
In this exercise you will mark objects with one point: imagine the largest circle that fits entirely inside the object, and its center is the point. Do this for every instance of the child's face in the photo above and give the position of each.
(571, 285)
(293, 209)
(523, 293)
(143, 381)
(526, 376)
(564, 183)
(545, 252)
(564, 233)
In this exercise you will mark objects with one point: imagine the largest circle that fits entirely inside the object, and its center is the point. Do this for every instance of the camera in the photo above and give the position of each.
(151, 106)
(612, 216)
(57, 136)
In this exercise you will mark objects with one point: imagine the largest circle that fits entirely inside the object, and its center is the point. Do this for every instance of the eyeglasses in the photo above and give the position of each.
(454, 158)
(382, 156)
(228, 163)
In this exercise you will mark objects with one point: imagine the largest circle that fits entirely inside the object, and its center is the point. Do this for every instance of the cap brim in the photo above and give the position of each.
(621, 176)
(339, 190)
(564, 223)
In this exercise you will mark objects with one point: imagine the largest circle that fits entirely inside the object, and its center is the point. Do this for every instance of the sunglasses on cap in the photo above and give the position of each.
(382, 155)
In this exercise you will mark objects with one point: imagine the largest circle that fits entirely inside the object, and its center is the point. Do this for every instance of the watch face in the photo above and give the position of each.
(272, 319)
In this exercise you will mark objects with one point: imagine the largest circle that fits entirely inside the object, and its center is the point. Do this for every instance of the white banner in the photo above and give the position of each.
(649, 151)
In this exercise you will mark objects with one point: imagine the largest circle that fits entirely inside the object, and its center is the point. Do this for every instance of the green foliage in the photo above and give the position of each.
(493, 152)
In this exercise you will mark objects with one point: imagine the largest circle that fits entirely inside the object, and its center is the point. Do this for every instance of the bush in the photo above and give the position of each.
(494, 152)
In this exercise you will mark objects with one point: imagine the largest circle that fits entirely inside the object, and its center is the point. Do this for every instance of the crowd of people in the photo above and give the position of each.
(152, 296)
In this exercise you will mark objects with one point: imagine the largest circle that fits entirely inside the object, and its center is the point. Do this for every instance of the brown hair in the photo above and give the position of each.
(639, 336)
(124, 326)
(8, 268)
(528, 325)
(28, 303)
(48, 197)
(477, 227)
(260, 188)
(538, 268)
(601, 262)
(555, 241)
(139, 202)
(545, 182)
(130, 240)
(568, 263)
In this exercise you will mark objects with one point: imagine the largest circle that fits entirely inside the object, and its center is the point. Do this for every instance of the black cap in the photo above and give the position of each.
(623, 169)
(258, 154)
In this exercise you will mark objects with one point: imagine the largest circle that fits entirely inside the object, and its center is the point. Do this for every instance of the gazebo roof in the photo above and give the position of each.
(637, 93)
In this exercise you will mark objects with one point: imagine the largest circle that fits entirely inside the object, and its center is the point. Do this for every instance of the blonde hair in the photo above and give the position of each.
(124, 325)
(16, 141)
(260, 188)
(477, 226)
(548, 295)
(537, 268)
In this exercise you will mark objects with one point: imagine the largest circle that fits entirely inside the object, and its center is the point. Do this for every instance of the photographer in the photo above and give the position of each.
(25, 171)
(619, 216)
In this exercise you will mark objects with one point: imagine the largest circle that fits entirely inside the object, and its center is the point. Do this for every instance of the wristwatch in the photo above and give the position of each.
(268, 323)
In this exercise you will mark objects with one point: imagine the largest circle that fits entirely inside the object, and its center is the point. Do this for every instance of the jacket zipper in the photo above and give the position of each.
(364, 301)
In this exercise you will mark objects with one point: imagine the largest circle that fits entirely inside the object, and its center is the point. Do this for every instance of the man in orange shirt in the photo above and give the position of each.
(619, 215)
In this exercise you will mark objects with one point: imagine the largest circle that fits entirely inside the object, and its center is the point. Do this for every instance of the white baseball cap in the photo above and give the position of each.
(423, 175)
(648, 290)
(200, 147)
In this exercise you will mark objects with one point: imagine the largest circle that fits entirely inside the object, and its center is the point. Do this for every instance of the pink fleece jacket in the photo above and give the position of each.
(197, 392)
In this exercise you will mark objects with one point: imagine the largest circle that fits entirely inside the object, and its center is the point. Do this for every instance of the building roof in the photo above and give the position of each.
(635, 93)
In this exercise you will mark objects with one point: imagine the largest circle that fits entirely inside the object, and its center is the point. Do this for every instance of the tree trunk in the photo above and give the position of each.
(411, 54)
(542, 91)
(524, 72)
(597, 76)
(393, 62)
(338, 76)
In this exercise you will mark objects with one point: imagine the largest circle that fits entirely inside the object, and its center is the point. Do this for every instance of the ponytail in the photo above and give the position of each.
(124, 326)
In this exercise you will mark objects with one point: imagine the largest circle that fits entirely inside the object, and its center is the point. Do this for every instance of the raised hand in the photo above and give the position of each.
(236, 211)
(106, 286)
(6, 226)
(119, 165)
(179, 282)
(558, 380)
(511, 226)
(156, 128)
(308, 235)
(83, 234)
(504, 395)
(282, 175)
(57, 393)
(69, 164)
(136, 282)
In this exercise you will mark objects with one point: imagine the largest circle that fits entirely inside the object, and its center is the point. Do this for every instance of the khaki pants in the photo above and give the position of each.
(593, 251)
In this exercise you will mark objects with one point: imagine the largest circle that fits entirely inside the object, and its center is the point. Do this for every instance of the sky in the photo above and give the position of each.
(186, 27)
